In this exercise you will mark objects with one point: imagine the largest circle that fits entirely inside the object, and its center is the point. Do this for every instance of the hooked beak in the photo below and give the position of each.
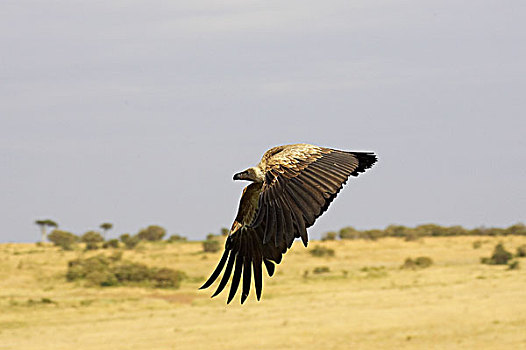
(240, 176)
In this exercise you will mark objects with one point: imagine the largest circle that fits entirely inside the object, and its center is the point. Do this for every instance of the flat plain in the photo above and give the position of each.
(364, 301)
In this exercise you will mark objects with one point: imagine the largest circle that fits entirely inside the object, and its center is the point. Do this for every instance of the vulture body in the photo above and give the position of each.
(291, 187)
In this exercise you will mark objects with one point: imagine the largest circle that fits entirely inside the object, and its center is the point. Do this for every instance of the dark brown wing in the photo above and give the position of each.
(300, 183)
(245, 252)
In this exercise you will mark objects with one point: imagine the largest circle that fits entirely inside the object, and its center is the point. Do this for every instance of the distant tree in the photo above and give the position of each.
(130, 241)
(210, 236)
(430, 230)
(349, 232)
(43, 224)
(372, 234)
(92, 238)
(224, 231)
(111, 243)
(517, 229)
(106, 226)
(152, 233)
(396, 231)
(176, 238)
(63, 239)
(456, 231)
(329, 236)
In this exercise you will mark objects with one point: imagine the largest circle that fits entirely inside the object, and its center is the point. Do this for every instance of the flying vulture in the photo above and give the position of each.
(291, 187)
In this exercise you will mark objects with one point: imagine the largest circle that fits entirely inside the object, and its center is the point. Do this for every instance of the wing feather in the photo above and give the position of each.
(226, 275)
(236, 278)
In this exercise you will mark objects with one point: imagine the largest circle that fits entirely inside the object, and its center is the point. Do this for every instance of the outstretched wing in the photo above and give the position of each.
(245, 252)
(300, 183)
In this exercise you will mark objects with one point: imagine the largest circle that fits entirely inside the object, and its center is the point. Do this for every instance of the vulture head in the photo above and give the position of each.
(253, 174)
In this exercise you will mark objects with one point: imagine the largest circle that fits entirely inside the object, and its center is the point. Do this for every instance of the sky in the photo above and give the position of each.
(139, 112)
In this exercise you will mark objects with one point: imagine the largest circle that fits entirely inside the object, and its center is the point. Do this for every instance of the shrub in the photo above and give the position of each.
(210, 236)
(329, 236)
(80, 268)
(374, 271)
(320, 251)
(112, 243)
(477, 244)
(167, 278)
(111, 271)
(349, 233)
(152, 233)
(420, 262)
(63, 239)
(103, 278)
(130, 241)
(521, 251)
(500, 256)
(92, 240)
(517, 229)
(514, 265)
(321, 269)
(373, 234)
(211, 246)
(92, 236)
(131, 272)
(396, 230)
(176, 238)
(224, 231)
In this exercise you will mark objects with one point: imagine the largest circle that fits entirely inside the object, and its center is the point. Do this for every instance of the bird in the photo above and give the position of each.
(290, 188)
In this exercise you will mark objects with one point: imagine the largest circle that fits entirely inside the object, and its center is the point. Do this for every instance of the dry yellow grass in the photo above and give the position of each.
(456, 303)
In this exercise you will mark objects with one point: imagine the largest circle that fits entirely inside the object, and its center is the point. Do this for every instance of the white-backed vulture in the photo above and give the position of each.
(291, 187)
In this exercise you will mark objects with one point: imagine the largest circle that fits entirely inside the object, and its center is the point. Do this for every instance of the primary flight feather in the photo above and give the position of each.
(291, 187)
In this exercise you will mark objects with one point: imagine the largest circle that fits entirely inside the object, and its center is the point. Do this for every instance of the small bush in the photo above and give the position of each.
(521, 251)
(374, 271)
(103, 278)
(80, 268)
(152, 233)
(176, 238)
(514, 265)
(131, 272)
(112, 243)
(320, 251)
(112, 271)
(500, 256)
(167, 278)
(211, 246)
(63, 239)
(92, 236)
(130, 241)
(420, 262)
(92, 240)
(349, 233)
(329, 236)
(321, 269)
(477, 244)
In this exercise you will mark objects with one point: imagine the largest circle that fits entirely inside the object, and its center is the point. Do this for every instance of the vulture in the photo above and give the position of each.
(290, 188)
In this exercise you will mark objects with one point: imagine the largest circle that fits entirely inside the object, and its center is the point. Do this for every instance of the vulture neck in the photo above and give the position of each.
(259, 175)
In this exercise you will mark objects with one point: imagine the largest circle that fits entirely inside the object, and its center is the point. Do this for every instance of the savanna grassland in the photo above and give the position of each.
(364, 301)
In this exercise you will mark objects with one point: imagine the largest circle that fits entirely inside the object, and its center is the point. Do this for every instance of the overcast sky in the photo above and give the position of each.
(140, 112)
